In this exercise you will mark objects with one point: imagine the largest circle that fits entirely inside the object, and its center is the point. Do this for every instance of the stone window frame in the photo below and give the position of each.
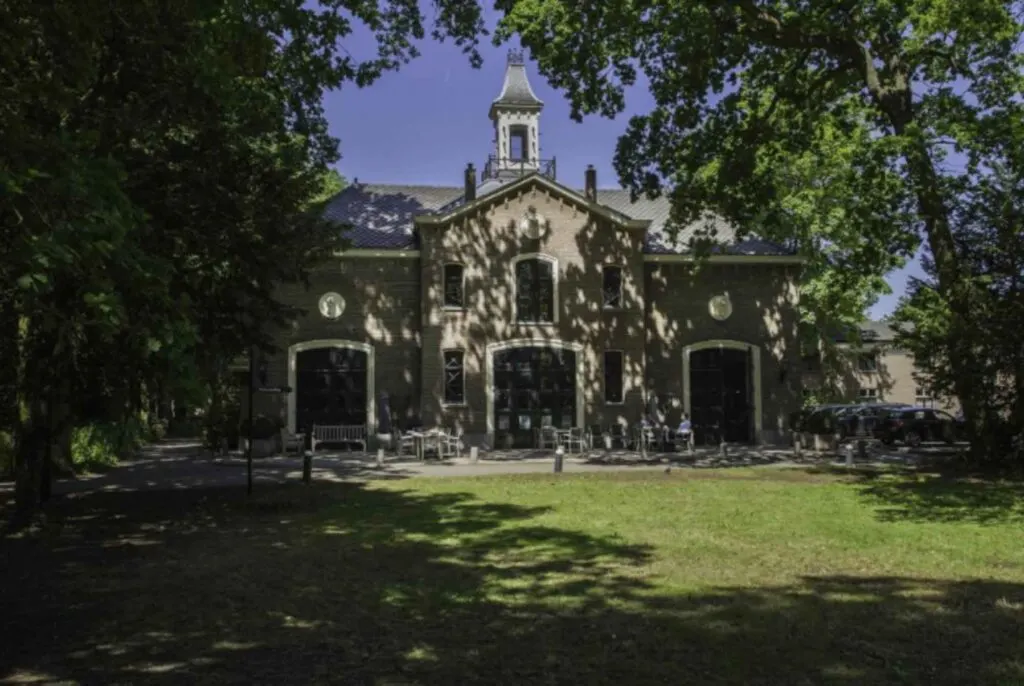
(622, 377)
(555, 282)
(869, 395)
(371, 372)
(462, 286)
(445, 402)
(868, 361)
(622, 287)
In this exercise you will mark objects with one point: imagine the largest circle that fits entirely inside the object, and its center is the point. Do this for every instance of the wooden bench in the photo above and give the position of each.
(337, 433)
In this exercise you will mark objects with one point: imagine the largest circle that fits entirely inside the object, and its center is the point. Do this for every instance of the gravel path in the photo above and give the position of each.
(175, 464)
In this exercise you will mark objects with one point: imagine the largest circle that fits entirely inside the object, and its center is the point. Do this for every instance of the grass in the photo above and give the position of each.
(745, 576)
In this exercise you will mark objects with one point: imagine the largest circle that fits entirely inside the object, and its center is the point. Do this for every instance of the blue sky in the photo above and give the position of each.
(423, 124)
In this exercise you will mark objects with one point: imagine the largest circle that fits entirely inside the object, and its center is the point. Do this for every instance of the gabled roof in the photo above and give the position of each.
(870, 332)
(380, 217)
(452, 210)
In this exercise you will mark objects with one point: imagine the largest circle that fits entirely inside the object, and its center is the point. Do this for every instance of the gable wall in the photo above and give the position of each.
(764, 301)
(487, 245)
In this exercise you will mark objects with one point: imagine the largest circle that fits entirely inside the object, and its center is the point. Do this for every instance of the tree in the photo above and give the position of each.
(735, 81)
(158, 166)
(988, 222)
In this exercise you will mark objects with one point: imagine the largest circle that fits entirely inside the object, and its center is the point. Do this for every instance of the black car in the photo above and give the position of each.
(860, 420)
(915, 425)
(823, 419)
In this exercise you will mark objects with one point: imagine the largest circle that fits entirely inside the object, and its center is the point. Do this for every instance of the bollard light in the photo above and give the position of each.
(559, 454)
(307, 466)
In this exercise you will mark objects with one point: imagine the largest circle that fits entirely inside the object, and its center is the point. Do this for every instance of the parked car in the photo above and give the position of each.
(823, 419)
(861, 419)
(915, 425)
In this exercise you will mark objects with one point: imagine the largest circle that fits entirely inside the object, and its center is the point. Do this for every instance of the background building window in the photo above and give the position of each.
(868, 395)
(924, 397)
(612, 286)
(535, 291)
(867, 362)
(613, 372)
(454, 378)
(453, 286)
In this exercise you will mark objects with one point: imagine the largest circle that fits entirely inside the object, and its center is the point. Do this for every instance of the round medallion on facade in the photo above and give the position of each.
(331, 305)
(720, 307)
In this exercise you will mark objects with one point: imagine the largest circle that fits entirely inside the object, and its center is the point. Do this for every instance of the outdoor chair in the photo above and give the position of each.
(621, 436)
(645, 438)
(406, 441)
(547, 438)
(573, 440)
(451, 443)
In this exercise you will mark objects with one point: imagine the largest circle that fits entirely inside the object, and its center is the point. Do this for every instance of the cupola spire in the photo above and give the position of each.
(516, 116)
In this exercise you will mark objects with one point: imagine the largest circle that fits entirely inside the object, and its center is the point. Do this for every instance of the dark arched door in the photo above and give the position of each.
(720, 395)
(331, 387)
(533, 387)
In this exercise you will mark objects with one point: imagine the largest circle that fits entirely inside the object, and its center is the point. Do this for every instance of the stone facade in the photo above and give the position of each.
(390, 287)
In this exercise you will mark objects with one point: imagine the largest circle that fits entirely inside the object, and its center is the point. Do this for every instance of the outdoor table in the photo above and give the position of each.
(422, 441)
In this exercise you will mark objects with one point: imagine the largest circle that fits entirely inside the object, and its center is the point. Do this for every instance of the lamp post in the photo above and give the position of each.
(248, 443)
(257, 377)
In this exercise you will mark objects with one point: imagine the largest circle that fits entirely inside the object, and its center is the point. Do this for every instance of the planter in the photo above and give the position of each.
(818, 442)
(261, 447)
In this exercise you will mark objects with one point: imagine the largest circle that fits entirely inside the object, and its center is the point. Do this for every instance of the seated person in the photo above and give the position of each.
(684, 433)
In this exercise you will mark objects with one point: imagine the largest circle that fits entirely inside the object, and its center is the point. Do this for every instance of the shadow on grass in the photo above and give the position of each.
(936, 494)
(345, 583)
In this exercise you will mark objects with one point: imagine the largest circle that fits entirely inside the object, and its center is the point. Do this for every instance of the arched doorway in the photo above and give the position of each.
(332, 383)
(532, 384)
(722, 391)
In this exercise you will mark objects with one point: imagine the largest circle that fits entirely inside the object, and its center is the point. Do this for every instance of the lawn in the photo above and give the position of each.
(767, 576)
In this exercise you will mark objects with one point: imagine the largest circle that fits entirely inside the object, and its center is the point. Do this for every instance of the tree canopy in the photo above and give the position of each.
(748, 93)
(160, 166)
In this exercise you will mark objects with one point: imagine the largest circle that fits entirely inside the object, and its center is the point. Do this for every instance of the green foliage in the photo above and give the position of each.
(158, 191)
(988, 218)
(104, 443)
(829, 125)
(264, 428)
(6, 453)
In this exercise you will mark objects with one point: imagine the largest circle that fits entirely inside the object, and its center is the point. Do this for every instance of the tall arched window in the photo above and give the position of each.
(536, 289)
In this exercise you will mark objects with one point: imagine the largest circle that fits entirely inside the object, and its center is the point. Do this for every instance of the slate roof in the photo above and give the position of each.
(516, 90)
(381, 217)
(870, 332)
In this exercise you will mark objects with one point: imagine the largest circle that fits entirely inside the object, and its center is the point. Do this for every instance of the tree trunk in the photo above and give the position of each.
(955, 286)
(30, 455)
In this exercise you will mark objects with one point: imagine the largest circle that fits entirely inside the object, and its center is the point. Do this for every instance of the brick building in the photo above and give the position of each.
(517, 299)
(870, 368)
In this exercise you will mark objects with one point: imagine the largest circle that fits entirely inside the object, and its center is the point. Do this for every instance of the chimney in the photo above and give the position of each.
(470, 195)
(590, 183)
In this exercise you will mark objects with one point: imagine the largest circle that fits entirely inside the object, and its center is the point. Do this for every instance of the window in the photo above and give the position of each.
(535, 290)
(868, 395)
(867, 362)
(612, 285)
(923, 397)
(454, 378)
(518, 143)
(613, 369)
(453, 286)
